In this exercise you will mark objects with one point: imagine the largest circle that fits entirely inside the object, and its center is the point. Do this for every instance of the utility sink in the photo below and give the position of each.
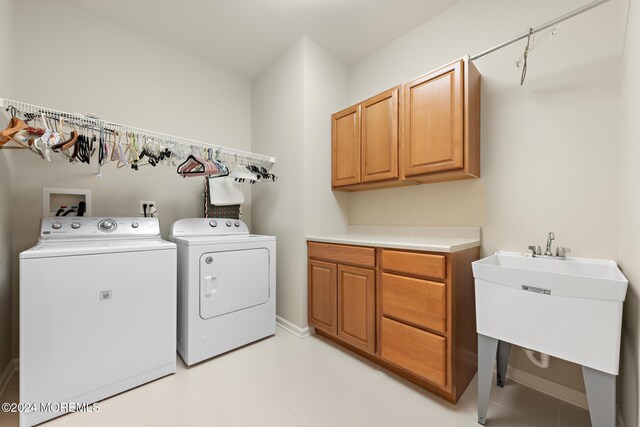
(569, 308)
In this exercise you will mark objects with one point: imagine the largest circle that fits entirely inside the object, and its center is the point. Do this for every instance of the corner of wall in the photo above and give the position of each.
(7, 85)
(629, 219)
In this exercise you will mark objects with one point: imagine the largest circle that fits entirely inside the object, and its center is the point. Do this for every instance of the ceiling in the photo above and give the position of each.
(245, 36)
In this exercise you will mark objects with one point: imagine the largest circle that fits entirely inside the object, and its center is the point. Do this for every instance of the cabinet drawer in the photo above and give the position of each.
(417, 301)
(418, 264)
(415, 350)
(343, 254)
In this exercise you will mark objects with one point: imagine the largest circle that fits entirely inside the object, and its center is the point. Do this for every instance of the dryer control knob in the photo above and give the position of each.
(135, 225)
(228, 223)
(56, 225)
(213, 223)
(237, 223)
(75, 225)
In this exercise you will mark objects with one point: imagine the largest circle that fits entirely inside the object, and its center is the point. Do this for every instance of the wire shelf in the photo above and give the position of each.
(182, 146)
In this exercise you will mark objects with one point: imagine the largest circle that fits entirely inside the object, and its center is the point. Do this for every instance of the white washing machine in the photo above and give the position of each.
(97, 311)
(226, 286)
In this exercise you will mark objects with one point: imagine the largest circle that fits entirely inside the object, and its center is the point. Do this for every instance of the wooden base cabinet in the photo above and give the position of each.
(322, 296)
(342, 292)
(356, 307)
(415, 350)
(411, 312)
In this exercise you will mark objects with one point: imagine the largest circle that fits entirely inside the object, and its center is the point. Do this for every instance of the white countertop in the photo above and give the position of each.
(433, 239)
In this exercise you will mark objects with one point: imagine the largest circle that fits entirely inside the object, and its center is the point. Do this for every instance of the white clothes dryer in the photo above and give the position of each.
(226, 286)
(97, 312)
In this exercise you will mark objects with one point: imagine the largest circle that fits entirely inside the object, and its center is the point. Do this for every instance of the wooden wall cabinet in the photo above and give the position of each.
(345, 147)
(365, 142)
(426, 130)
(409, 311)
(441, 135)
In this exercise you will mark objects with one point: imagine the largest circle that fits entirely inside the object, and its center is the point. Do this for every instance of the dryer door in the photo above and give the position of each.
(233, 280)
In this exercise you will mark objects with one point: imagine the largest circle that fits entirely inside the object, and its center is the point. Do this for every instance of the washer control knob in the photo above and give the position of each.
(213, 223)
(56, 225)
(107, 225)
(228, 223)
(237, 223)
(135, 225)
(75, 225)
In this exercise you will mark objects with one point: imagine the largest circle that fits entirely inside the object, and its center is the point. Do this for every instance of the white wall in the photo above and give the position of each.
(6, 89)
(549, 149)
(292, 100)
(277, 117)
(326, 89)
(629, 254)
(96, 66)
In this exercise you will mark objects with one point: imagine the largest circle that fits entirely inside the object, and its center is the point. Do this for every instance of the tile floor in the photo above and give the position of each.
(287, 381)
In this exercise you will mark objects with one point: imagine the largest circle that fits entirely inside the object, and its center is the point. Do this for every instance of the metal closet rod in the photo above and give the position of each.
(95, 121)
(539, 28)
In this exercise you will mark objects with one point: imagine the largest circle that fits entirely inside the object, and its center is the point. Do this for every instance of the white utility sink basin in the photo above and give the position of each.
(569, 308)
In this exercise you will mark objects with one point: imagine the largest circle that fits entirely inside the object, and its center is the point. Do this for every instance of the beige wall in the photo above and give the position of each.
(292, 100)
(6, 89)
(97, 66)
(549, 148)
(629, 255)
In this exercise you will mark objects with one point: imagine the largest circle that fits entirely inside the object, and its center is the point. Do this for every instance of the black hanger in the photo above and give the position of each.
(187, 161)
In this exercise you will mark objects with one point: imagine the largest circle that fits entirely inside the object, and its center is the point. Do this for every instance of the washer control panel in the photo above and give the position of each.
(53, 228)
(208, 227)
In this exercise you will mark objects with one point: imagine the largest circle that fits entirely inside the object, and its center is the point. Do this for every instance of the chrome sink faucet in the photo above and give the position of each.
(561, 252)
(550, 239)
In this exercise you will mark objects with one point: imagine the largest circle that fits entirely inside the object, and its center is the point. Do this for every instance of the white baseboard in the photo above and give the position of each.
(293, 328)
(545, 386)
(9, 370)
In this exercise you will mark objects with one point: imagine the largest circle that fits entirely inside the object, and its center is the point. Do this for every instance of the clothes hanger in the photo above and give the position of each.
(187, 166)
(122, 151)
(65, 145)
(14, 126)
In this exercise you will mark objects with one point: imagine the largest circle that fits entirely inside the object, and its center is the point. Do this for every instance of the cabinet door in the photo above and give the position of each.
(433, 120)
(345, 147)
(356, 307)
(380, 137)
(322, 296)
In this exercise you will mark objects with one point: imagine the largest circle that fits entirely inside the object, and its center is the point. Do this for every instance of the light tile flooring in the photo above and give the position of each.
(287, 381)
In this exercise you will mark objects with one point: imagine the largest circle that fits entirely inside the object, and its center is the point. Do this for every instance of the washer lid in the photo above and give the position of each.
(94, 247)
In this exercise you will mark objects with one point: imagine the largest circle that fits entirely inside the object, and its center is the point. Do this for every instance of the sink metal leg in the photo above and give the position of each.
(487, 348)
(601, 395)
(504, 348)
